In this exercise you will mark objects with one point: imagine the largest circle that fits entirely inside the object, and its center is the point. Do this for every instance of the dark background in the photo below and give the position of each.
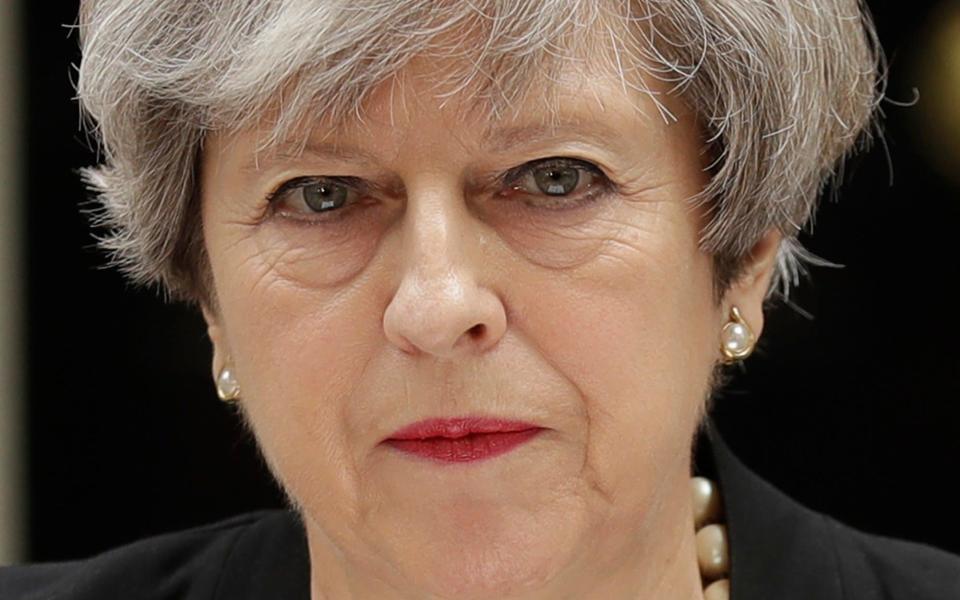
(855, 412)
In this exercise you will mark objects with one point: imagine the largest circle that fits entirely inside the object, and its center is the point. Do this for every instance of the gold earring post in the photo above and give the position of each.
(736, 338)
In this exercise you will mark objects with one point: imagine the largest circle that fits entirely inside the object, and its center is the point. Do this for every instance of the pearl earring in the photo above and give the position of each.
(228, 388)
(736, 338)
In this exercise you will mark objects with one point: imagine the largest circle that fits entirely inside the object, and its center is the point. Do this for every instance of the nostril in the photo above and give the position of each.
(477, 330)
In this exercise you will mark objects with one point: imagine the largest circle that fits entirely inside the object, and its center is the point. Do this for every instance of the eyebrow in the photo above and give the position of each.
(312, 149)
(497, 139)
(501, 139)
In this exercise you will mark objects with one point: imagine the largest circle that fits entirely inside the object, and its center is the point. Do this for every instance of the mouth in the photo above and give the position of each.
(463, 439)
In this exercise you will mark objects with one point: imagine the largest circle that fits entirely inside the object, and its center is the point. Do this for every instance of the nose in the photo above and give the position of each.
(441, 308)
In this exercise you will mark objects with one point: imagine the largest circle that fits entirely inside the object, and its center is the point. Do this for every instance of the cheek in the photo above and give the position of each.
(299, 352)
(633, 330)
(639, 313)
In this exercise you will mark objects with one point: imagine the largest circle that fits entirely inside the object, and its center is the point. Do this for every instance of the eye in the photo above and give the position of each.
(566, 182)
(308, 198)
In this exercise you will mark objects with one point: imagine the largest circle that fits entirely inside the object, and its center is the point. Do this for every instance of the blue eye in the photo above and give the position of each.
(556, 181)
(316, 196)
(324, 196)
(564, 182)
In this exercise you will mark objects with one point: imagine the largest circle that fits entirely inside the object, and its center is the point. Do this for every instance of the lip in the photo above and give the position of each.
(462, 439)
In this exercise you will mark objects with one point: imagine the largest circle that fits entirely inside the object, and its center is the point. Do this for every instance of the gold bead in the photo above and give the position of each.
(712, 552)
(718, 590)
(706, 502)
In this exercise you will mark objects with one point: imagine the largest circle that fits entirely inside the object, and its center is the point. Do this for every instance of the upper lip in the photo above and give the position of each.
(458, 427)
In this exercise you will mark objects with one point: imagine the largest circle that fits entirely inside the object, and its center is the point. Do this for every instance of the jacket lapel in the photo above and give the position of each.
(778, 548)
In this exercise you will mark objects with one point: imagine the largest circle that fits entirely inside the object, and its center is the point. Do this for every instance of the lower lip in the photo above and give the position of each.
(469, 448)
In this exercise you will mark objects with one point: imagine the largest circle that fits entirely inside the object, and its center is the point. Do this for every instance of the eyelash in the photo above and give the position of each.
(508, 184)
(602, 186)
(353, 184)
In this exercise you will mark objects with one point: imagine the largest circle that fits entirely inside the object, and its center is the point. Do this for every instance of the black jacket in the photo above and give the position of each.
(780, 550)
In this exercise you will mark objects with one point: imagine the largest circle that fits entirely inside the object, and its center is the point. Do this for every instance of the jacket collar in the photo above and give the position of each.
(778, 547)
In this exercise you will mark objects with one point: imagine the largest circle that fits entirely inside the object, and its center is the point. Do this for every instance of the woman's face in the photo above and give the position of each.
(407, 267)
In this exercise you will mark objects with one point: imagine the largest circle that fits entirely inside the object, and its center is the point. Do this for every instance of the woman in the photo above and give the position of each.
(472, 273)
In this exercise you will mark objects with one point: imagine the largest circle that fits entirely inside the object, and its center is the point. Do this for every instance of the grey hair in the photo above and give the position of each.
(784, 89)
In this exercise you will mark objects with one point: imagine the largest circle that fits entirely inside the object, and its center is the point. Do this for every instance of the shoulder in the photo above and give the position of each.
(185, 565)
(881, 567)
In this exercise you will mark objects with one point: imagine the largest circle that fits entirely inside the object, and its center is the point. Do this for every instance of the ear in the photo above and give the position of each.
(221, 354)
(750, 289)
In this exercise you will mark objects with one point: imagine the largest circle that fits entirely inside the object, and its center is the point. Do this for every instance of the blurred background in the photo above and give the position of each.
(110, 429)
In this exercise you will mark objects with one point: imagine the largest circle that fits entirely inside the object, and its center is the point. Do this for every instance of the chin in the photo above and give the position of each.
(481, 553)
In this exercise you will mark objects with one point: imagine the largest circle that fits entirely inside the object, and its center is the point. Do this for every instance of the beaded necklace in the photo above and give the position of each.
(713, 552)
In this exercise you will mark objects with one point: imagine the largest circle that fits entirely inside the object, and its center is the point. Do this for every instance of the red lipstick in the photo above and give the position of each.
(463, 439)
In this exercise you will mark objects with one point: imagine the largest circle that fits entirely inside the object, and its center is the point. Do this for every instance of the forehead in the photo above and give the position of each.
(582, 99)
(573, 86)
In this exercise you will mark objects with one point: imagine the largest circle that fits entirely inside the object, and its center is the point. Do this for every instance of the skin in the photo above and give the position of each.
(444, 294)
